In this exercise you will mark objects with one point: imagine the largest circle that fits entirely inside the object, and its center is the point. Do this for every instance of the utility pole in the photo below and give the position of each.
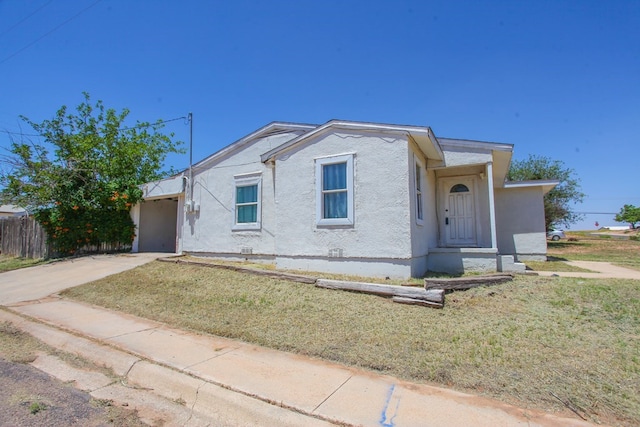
(191, 203)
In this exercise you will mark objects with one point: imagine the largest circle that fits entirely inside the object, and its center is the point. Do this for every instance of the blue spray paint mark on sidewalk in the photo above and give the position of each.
(385, 419)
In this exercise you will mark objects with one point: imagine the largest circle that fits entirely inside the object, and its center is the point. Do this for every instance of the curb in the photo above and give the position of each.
(205, 402)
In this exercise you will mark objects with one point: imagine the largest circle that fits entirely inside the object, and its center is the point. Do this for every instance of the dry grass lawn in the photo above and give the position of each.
(519, 342)
(587, 247)
(8, 263)
(555, 264)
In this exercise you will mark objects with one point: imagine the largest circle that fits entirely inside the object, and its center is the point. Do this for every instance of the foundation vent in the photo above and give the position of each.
(335, 253)
(246, 251)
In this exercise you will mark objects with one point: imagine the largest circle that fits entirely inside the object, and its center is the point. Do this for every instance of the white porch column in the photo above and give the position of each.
(492, 205)
(180, 223)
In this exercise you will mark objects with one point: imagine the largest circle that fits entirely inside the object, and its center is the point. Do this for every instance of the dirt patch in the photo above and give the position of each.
(29, 397)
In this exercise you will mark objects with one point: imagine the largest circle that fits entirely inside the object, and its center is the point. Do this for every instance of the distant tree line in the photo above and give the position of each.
(629, 214)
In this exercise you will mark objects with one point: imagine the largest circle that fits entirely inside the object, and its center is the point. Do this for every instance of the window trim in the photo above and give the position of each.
(319, 164)
(418, 187)
(247, 180)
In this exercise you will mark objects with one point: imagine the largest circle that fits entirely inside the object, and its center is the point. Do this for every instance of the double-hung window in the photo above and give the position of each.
(247, 212)
(418, 188)
(334, 190)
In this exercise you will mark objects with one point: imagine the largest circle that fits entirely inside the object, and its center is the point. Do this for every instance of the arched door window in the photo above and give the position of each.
(459, 188)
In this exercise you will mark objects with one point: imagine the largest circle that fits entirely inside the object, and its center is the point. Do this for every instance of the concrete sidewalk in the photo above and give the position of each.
(597, 270)
(241, 384)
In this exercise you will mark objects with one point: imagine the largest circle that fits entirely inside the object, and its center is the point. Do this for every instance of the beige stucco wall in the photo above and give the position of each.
(424, 234)
(458, 156)
(381, 233)
(209, 230)
(520, 223)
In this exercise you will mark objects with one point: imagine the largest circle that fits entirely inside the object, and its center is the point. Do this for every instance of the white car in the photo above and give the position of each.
(556, 235)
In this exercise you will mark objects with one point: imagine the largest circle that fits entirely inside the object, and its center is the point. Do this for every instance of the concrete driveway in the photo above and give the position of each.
(43, 280)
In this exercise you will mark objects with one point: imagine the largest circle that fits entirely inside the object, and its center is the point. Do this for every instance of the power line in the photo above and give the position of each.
(139, 126)
(49, 32)
(25, 18)
(142, 125)
(597, 213)
(18, 133)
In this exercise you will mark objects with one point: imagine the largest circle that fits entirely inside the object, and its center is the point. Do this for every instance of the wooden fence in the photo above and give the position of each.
(24, 237)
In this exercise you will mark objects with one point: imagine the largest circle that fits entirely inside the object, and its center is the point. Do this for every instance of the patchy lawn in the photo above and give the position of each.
(519, 342)
(554, 264)
(8, 263)
(586, 247)
(312, 274)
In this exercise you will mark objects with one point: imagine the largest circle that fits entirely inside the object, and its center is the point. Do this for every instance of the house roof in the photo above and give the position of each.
(272, 128)
(546, 184)
(474, 144)
(433, 147)
(500, 152)
(423, 136)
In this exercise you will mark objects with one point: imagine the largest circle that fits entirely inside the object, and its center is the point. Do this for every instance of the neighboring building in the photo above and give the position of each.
(9, 211)
(350, 197)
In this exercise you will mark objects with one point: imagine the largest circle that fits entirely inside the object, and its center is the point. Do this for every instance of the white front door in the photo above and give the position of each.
(459, 211)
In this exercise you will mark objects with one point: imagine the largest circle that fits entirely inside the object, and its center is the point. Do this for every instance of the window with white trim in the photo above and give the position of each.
(334, 190)
(247, 203)
(418, 189)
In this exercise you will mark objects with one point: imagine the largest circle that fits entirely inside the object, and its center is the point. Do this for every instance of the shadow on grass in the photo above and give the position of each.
(561, 245)
(555, 259)
(437, 275)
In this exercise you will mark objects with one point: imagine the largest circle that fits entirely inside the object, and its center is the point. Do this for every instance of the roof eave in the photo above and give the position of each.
(478, 145)
(265, 130)
(421, 134)
(546, 184)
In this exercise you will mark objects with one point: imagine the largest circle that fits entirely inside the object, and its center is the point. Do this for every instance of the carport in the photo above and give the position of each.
(157, 230)
(157, 218)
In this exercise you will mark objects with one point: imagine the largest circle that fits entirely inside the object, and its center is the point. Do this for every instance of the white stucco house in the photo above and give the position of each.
(350, 197)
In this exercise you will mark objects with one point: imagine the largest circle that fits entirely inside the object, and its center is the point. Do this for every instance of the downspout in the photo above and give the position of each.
(492, 207)
(187, 198)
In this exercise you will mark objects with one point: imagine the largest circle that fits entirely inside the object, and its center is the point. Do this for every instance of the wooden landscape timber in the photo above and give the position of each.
(462, 283)
(414, 301)
(400, 294)
(435, 297)
(268, 273)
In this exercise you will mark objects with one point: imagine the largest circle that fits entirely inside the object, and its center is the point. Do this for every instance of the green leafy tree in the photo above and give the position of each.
(630, 214)
(559, 201)
(83, 179)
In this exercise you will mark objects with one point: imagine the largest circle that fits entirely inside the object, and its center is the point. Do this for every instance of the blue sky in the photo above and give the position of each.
(556, 78)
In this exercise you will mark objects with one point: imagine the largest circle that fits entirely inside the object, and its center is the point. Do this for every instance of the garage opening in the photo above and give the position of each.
(158, 226)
